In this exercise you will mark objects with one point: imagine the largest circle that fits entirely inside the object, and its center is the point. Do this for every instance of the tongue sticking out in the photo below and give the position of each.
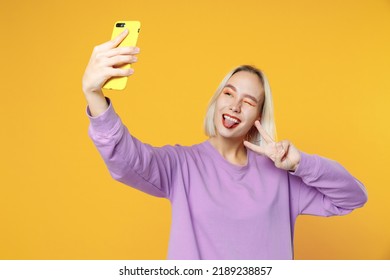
(228, 123)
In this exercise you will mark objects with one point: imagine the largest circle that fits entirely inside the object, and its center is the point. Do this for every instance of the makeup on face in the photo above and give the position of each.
(237, 106)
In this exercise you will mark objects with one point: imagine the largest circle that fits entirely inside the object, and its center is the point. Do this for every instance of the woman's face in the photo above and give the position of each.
(238, 105)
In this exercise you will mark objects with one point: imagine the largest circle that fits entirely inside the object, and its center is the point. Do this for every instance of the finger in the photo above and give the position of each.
(279, 154)
(263, 133)
(121, 60)
(119, 72)
(258, 149)
(122, 51)
(112, 43)
(280, 149)
(285, 147)
(118, 39)
(283, 163)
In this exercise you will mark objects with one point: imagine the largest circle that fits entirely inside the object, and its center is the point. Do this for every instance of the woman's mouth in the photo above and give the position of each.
(230, 121)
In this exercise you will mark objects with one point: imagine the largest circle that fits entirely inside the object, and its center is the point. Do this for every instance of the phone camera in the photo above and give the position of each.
(120, 24)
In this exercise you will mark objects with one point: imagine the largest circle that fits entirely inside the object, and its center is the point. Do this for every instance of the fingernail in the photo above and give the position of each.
(136, 50)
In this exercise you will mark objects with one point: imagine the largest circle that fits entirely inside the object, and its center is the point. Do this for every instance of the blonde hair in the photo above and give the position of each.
(267, 119)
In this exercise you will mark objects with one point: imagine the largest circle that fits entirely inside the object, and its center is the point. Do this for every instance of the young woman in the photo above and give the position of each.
(236, 195)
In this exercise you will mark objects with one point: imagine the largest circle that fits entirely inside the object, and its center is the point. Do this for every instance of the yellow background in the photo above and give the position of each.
(328, 63)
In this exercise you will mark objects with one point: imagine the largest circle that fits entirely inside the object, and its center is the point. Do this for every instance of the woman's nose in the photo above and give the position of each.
(236, 106)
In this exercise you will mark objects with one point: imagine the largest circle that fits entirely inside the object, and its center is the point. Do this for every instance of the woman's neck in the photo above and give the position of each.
(232, 150)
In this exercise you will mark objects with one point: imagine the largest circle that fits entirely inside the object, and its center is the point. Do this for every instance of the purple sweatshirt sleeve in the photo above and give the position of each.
(128, 160)
(326, 188)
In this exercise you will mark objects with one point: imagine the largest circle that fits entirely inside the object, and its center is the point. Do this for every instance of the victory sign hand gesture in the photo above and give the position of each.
(283, 153)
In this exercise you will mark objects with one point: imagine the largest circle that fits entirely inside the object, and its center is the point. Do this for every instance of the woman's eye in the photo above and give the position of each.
(228, 94)
(249, 103)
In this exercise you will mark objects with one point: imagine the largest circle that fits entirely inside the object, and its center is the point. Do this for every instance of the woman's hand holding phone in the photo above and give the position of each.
(103, 65)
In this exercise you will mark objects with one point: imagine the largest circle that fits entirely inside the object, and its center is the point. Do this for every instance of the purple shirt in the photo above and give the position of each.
(221, 210)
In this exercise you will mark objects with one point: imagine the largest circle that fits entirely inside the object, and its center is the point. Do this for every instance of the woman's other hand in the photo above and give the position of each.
(283, 153)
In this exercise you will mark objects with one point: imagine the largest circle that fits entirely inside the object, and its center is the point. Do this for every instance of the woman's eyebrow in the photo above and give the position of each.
(245, 94)
(231, 86)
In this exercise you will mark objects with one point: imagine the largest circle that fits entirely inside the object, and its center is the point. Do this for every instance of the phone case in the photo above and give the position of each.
(119, 83)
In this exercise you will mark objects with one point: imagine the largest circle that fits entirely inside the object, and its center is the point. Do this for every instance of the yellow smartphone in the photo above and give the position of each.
(119, 83)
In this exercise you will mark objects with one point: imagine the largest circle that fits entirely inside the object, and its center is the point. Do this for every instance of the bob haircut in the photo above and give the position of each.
(267, 119)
